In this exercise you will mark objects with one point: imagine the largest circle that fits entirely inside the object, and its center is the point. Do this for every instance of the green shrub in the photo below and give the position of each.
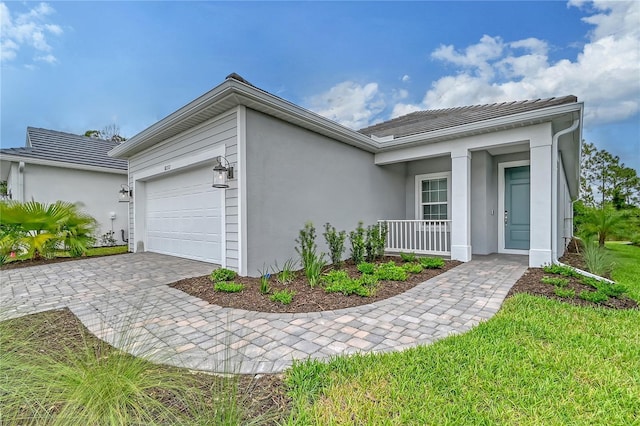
(222, 274)
(593, 296)
(611, 290)
(357, 244)
(565, 292)
(339, 282)
(287, 274)
(565, 271)
(284, 296)
(413, 268)
(366, 268)
(557, 281)
(228, 287)
(335, 241)
(307, 247)
(390, 272)
(408, 257)
(431, 262)
(376, 237)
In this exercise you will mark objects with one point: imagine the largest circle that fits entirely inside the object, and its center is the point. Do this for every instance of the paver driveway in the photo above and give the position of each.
(125, 300)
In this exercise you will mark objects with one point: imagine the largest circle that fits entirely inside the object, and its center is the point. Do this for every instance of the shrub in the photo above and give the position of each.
(611, 290)
(431, 262)
(412, 268)
(228, 287)
(376, 237)
(107, 239)
(366, 268)
(357, 244)
(288, 271)
(339, 282)
(284, 296)
(593, 296)
(408, 257)
(565, 271)
(222, 274)
(307, 244)
(557, 281)
(565, 292)
(335, 241)
(390, 272)
(597, 259)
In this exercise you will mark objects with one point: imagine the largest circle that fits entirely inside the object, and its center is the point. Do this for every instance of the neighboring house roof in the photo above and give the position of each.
(454, 122)
(430, 120)
(51, 146)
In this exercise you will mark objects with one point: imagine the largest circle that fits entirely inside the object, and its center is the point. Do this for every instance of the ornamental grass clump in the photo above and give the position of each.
(264, 280)
(312, 262)
(287, 274)
(597, 259)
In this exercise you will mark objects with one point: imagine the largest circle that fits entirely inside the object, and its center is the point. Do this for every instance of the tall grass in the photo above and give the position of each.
(597, 259)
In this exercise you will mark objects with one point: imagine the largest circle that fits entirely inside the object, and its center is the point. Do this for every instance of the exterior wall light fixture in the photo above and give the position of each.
(221, 173)
(125, 193)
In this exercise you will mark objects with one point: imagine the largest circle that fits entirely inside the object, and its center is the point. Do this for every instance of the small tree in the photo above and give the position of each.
(335, 241)
(602, 222)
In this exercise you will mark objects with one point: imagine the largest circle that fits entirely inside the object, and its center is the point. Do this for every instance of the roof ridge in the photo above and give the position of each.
(88, 138)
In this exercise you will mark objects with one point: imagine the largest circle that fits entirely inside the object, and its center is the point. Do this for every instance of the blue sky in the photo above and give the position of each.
(73, 66)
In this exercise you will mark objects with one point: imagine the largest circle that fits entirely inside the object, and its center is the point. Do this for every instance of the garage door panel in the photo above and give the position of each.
(184, 216)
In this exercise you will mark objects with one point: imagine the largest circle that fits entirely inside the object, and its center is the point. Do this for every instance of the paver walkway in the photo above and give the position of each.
(125, 300)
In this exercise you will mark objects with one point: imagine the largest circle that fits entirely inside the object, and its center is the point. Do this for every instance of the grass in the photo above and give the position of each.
(626, 269)
(538, 361)
(94, 251)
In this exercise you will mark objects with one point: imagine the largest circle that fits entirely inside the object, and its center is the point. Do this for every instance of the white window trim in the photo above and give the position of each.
(418, 191)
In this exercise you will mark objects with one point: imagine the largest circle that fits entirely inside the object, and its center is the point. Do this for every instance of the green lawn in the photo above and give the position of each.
(94, 251)
(537, 361)
(627, 266)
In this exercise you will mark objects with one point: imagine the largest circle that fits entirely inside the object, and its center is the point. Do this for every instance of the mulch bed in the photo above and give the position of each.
(306, 299)
(530, 283)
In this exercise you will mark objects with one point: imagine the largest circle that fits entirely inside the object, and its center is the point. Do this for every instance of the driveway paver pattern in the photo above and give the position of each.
(125, 300)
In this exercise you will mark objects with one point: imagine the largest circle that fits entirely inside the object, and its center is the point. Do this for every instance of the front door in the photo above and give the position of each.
(516, 208)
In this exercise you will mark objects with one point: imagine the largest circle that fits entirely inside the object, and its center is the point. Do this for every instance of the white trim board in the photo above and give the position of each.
(500, 215)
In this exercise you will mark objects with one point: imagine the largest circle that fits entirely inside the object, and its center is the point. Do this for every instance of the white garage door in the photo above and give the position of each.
(184, 216)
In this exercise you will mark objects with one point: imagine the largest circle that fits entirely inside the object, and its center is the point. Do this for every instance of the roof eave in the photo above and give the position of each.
(485, 126)
(62, 164)
(243, 94)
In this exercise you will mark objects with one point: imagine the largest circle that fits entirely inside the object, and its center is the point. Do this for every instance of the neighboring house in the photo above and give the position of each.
(61, 166)
(462, 181)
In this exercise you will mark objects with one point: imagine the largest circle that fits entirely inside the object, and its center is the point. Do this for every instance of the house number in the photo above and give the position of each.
(167, 167)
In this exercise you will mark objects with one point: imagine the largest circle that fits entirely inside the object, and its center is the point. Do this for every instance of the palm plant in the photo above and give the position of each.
(602, 222)
(40, 227)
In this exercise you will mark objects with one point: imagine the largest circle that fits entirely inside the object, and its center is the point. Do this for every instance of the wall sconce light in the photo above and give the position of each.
(125, 193)
(221, 173)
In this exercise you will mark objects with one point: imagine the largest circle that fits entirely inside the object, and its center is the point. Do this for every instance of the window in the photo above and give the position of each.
(432, 196)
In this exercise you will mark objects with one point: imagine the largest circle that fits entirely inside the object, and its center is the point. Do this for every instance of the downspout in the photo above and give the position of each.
(554, 187)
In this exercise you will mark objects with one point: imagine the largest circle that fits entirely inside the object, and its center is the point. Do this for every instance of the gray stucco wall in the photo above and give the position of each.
(484, 239)
(295, 176)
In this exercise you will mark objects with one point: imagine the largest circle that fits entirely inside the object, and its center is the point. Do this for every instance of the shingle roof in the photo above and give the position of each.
(426, 121)
(69, 148)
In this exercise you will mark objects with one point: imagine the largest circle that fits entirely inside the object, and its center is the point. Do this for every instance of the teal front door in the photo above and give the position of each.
(516, 208)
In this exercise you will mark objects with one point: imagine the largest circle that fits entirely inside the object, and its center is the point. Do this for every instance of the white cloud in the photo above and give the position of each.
(350, 104)
(605, 75)
(28, 29)
(406, 78)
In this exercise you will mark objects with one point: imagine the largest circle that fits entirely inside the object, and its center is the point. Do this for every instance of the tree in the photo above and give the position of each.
(110, 132)
(603, 222)
(604, 179)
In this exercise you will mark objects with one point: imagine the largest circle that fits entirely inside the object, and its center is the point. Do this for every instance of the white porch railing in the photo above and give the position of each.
(418, 236)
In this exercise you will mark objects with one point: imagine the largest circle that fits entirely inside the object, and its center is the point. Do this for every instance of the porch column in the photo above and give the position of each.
(461, 205)
(540, 252)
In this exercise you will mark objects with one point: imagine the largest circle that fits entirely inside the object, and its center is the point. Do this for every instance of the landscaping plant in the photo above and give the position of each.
(264, 280)
(39, 229)
(340, 282)
(283, 296)
(228, 287)
(408, 257)
(316, 264)
(335, 241)
(376, 237)
(357, 239)
(367, 268)
(287, 274)
(307, 248)
(431, 262)
(222, 274)
(565, 292)
(390, 272)
(412, 268)
(557, 281)
(596, 258)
